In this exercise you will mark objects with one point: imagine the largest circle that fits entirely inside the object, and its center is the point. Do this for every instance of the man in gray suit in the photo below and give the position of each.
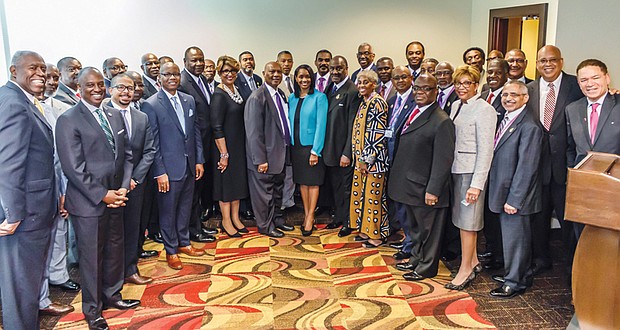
(68, 89)
(267, 142)
(150, 67)
(28, 201)
(95, 155)
(514, 187)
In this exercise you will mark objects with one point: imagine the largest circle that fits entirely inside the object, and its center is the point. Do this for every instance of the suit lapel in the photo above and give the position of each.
(560, 103)
(34, 109)
(88, 116)
(195, 85)
(69, 93)
(511, 129)
(165, 102)
(274, 109)
(422, 119)
(608, 104)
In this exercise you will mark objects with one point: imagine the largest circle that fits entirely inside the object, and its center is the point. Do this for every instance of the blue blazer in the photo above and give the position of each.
(312, 121)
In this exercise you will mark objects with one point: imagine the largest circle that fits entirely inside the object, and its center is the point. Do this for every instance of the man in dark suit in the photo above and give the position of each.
(423, 162)
(414, 52)
(267, 142)
(592, 120)
(68, 89)
(446, 95)
(549, 97)
(27, 191)
(365, 57)
(399, 108)
(178, 161)
(321, 61)
(143, 151)
(514, 187)
(247, 82)
(111, 67)
(517, 62)
(195, 84)
(94, 152)
(386, 89)
(343, 101)
(150, 67)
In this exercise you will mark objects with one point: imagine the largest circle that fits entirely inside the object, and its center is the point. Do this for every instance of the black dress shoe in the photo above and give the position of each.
(485, 255)
(70, 285)
(413, 276)
(405, 266)
(209, 231)
(333, 225)
(207, 214)
(201, 238)
(123, 304)
(98, 324)
(148, 254)
(359, 238)
(248, 215)
(400, 255)
(493, 264)
(156, 238)
(275, 233)
(344, 231)
(505, 291)
(498, 278)
(396, 245)
(540, 267)
(285, 227)
(449, 256)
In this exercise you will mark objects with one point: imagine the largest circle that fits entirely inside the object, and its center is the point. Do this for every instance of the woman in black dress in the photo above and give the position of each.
(308, 119)
(230, 182)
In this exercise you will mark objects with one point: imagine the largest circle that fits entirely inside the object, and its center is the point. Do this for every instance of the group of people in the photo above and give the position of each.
(438, 152)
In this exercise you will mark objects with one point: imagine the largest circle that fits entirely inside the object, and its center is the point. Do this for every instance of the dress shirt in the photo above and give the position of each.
(247, 79)
(338, 85)
(544, 89)
(92, 110)
(199, 82)
(496, 94)
(511, 117)
(326, 76)
(589, 110)
(29, 96)
(446, 93)
(151, 81)
(422, 109)
(126, 116)
(415, 72)
(396, 112)
(75, 93)
(272, 93)
(388, 88)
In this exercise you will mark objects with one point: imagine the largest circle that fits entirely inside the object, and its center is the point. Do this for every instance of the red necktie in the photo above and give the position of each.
(415, 112)
(78, 95)
(490, 98)
(593, 121)
(382, 91)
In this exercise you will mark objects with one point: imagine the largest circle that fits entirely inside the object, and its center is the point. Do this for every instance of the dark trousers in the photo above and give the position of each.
(397, 212)
(426, 229)
(22, 262)
(100, 243)
(492, 232)
(202, 198)
(149, 216)
(517, 242)
(175, 207)
(131, 224)
(451, 237)
(340, 179)
(266, 192)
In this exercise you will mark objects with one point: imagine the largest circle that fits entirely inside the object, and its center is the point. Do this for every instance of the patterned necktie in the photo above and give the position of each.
(288, 84)
(179, 111)
(252, 84)
(500, 129)
(105, 127)
(321, 84)
(127, 126)
(38, 105)
(382, 91)
(415, 112)
(440, 98)
(593, 121)
(490, 98)
(396, 111)
(287, 133)
(549, 107)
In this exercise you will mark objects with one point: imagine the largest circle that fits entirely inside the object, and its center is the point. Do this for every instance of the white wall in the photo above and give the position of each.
(128, 29)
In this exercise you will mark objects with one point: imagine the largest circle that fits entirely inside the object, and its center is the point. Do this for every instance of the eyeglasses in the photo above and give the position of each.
(401, 77)
(516, 60)
(552, 60)
(513, 95)
(223, 72)
(425, 89)
(168, 75)
(465, 84)
(118, 67)
(443, 73)
(122, 88)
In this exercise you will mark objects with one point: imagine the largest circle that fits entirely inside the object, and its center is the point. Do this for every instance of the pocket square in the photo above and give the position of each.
(120, 132)
(341, 104)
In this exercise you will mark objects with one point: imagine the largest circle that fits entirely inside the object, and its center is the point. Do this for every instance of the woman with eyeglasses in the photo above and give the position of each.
(474, 120)
(230, 182)
(307, 113)
(370, 155)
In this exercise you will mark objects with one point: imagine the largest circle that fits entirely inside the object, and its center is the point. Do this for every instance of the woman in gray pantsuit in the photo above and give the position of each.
(474, 120)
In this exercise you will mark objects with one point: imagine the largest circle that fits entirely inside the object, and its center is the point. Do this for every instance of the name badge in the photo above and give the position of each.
(389, 133)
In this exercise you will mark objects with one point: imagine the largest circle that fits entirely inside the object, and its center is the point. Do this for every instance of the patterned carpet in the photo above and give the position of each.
(316, 282)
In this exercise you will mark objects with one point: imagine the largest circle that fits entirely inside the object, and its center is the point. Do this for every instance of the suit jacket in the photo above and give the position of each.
(284, 87)
(554, 144)
(27, 188)
(264, 133)
(312, 120)
(149, 89)
(373, 67)
(497, 104)
(450, 101)
(175, 151)
(342, 107)
(63, 94)
(244, 88)
(423, 159)
(514, 176)
(408, 106)
(89, 163)
(390, 94)
(607, 137)
(141, 142)
(203, 108)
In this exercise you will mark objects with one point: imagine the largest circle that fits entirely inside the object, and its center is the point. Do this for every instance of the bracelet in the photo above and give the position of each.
(224, 156)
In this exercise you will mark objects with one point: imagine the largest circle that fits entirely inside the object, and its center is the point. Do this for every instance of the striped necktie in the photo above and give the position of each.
(105, 127)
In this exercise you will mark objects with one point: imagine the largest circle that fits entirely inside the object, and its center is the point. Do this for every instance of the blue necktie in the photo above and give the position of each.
(179, 111)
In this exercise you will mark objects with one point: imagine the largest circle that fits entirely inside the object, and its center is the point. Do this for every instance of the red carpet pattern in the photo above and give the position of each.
(316, 282)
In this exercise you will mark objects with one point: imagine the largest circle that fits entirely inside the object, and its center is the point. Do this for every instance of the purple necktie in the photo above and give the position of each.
(321, 84)
(287, 133)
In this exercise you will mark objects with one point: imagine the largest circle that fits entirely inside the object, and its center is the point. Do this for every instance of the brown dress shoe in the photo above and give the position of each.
(173, 261)
(138, 279)
(191, 251)
(56, 309)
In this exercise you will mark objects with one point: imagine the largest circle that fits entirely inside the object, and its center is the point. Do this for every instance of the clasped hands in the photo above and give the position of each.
(116, 198)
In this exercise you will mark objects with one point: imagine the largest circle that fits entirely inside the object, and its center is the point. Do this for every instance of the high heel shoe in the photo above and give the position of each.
(223, 230)
(306, 232)
(242, 230)
(463, 285)
(477, 268)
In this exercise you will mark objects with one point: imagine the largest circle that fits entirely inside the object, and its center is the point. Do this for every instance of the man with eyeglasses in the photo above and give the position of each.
(549, 96)
(428, 66)
(414, 52)
(68, 86)
(365, 58)
(111, 67)
(143, 152)
(150, 67)
(446, 95)
(518, 63)
(514, 187)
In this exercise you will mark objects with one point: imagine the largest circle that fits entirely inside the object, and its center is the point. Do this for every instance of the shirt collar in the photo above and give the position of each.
(422, 109)
(118, 106)
(514, 114)
(599, 101)
(272, 91)
(69, 88)
(338, 85)
(89, 106)
(168, 94)
(405, 95)
(150, 80)
(556, 82)
(29, 96)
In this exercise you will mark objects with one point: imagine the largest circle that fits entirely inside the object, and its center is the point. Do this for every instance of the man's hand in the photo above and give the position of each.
(431, 199)
(200, 170)
(114, 199)
(345, 161)
(61, 207)
(132, 184)
(509, 209)
(263, 168)
(163, 185)
(7, 228)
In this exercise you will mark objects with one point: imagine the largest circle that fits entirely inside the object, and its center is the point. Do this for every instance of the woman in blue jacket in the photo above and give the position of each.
(307, 113)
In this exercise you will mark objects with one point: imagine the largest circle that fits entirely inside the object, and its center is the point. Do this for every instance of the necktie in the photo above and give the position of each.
(179, 111)
(382, 91)
(415, 112)
(396, 111)
(440, 98)
(593, 121)
(105, 127)
(288, 84)
(287, 133)
(137, 105)
(157, 85)
(78, 95)
(549, 107)
(252, 83)
(500, 130)
(490, 98)
(127, 126)
(202, 88)
(334, 89)
(321, 84)
(38, 105)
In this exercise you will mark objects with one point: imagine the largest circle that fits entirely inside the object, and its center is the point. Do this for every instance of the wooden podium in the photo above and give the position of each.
(593, 199)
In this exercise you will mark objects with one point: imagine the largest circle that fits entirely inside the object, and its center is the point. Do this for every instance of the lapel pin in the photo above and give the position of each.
(511, 129)
(406, 106)
(109, 114)
(338, 97)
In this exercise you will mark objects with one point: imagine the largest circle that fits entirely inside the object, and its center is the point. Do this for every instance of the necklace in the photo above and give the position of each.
(234, 96)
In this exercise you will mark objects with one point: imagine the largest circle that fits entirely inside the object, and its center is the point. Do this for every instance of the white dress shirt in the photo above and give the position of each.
(544, 90)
